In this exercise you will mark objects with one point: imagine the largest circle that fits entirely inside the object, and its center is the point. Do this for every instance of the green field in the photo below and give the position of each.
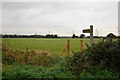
(34, 63)
(48, 44)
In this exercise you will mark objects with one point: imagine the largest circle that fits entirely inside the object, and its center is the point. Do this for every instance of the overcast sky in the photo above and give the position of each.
(62, 18)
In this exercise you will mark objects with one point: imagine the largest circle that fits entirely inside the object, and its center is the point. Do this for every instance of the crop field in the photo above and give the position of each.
(45, 44)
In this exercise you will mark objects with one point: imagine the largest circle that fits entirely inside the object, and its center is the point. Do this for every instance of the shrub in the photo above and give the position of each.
(105, 54)
(100, 56)
(78, 63)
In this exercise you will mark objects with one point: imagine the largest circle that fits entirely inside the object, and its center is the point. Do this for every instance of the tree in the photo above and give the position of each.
(111, 35)
(55, 36)
(74, 36)
(82, 36)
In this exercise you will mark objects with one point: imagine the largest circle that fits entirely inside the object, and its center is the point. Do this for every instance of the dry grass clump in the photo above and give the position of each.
(20, 56)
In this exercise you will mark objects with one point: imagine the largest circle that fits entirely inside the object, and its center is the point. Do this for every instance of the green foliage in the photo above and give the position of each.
(79, 63)
(48, 60)
(99, 60)
(49, 66)
(105, 54)
(111, 35)
(20, 71)
(30, 71)
(105, 74)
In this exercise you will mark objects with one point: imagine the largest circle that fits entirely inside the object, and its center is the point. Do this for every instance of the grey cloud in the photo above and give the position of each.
(119, 18)
(57, 17)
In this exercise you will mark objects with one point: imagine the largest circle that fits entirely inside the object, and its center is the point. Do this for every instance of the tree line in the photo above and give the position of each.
(110, 35)
(28, 36)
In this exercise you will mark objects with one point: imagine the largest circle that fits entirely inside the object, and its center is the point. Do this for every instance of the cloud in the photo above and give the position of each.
(119, 18)
(57, 17)
(60, 0)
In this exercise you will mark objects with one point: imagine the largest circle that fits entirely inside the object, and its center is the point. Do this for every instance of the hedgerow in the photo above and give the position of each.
(101, 56)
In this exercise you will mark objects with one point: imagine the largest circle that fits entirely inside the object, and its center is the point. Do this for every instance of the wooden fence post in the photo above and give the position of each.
(81, 45)
(67, 46)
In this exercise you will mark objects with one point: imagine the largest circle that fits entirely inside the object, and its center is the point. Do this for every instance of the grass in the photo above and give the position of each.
(57, 71)
(47, 44)
(28, 71)
(58, 64)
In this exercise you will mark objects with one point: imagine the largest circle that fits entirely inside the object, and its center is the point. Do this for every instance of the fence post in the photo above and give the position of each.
(81, 45)
(68, 47)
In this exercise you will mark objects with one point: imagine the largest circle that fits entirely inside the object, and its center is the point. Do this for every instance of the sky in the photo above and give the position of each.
(61, 18)
(119, 18)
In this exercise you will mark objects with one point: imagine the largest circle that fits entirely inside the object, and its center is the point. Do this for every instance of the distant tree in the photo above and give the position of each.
(1, 35)
(73, 36)
(118, 36)
(96, 37)
(82, 36)
(51, 36)
(111, 35)
(87, 36)
(55, 36)
(15, 36)
(48, 36)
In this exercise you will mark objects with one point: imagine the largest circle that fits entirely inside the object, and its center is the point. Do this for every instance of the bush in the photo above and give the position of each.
(102, 56)
(105, 54)
(79, 63)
